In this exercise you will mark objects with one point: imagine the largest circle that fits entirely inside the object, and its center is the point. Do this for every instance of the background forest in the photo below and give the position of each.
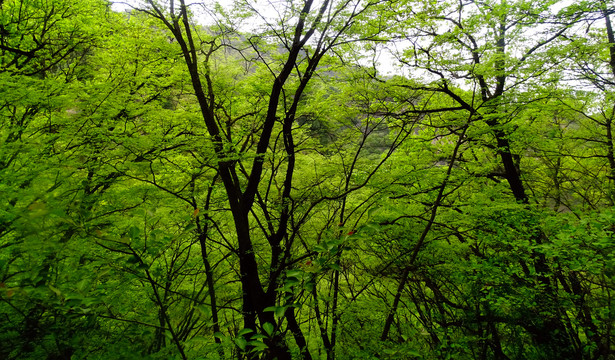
(186, 180)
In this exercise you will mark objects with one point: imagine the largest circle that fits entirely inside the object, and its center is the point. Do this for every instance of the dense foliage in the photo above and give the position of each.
(188, 181)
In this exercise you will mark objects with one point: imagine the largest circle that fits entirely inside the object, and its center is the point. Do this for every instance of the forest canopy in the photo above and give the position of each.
(301, 179)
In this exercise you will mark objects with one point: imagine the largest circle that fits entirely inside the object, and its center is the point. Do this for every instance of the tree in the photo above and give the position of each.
(313, 34)
(492, 64)
(182, 190)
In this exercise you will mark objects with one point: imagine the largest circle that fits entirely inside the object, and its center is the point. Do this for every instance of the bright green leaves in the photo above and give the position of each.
(583, 245)
(118, 229)
(269, 329)
(41, 37)
(279, 311)
(249, 342)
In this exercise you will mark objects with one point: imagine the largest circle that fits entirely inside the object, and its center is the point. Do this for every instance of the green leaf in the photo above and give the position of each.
(268, 327)
(257, 346)
(335, 266)
(279, 311)
(241, 343)
(294, 273)
(320, 248)
(55, 290)
(134, 232)
(245, 331)
(81, 285)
